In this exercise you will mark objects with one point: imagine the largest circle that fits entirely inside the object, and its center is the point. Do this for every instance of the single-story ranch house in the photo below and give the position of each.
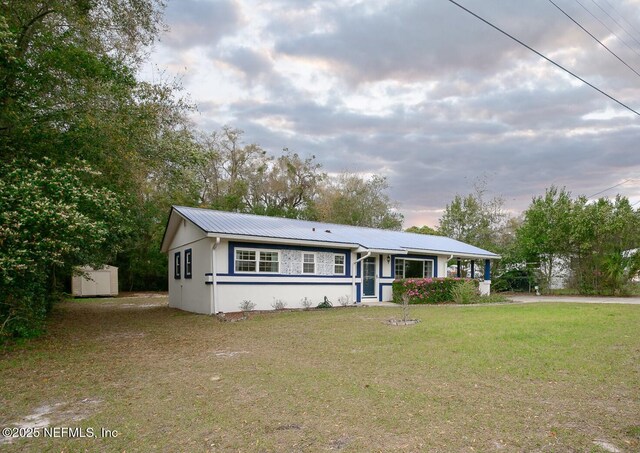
(217, 260)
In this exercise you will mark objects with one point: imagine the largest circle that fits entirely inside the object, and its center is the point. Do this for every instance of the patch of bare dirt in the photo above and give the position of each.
(55, 414)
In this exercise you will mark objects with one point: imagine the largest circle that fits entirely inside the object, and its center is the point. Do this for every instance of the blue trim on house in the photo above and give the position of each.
(358, 293)
(487, 269)
(380, 269)
(263, 275)
(252, 245)
(284, 283)
(359, 266)
(380, 286)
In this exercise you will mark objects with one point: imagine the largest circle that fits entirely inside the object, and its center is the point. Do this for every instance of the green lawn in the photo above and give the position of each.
(533, 377)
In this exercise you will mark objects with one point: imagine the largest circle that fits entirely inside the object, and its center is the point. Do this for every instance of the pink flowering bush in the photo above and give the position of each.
(426, 290)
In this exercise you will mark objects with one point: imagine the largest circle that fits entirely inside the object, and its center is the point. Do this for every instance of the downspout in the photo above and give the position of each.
(353, 275)
(213, 296)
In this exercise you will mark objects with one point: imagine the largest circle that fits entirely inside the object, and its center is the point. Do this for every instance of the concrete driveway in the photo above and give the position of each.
(578, 299)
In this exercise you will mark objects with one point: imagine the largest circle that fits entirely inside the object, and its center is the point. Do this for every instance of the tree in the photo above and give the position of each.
(228, 167)
(545, 234)
(68, 91)
(596, 241)
(285, 187)
(51, 217)
(352, 200)
(474, 220)
(425, 229)
(605, 236)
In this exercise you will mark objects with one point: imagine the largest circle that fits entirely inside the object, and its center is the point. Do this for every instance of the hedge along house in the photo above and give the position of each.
(218, 259)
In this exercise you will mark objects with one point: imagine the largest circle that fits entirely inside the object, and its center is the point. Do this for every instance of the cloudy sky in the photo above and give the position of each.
(420, 91)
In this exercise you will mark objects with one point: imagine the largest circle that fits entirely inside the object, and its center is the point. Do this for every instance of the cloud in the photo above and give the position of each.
(419, 92)
(199, 22)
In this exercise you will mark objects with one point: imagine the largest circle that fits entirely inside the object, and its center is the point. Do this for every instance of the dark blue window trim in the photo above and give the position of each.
(188, 263)
(176, 265)
(252, 245)
(264, 282)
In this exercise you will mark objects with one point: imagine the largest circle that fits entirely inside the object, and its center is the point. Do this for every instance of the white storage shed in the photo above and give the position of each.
(95, 282)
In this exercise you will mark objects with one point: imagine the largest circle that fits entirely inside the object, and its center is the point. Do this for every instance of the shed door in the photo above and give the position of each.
(369, 277)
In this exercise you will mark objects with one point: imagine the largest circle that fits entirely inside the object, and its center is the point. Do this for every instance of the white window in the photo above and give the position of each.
(257, 261)
(308, 263)
(269, 262)
(338, 264)
(413, 268)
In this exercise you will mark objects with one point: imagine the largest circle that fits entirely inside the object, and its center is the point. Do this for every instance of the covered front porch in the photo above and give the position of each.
(375, 271)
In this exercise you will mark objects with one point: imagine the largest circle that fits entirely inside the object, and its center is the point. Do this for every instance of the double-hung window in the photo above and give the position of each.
(338, 264)
(308, 263)
(257, 261)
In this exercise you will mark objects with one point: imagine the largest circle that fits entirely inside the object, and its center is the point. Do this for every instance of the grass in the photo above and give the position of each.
(533, 377)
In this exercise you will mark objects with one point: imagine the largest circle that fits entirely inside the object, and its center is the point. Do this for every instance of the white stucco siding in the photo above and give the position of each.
(265, 295)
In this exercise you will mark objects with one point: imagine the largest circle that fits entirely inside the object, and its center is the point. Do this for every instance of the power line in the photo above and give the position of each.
(621, 16)
(607, 27)
(613, 19)
(545, 57)
(612, 187)
(596, 39)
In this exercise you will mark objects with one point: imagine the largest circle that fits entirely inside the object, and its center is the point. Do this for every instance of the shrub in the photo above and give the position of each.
(466, 292)
(426, 290)
(325, 304)
(344, 300)
(247, 305)
(306, 303)
(278, 304)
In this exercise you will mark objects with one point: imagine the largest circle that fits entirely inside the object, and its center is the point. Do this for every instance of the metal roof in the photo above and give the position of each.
(249, 225)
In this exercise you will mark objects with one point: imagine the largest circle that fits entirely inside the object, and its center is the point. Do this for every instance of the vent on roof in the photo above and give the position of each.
(327, 231)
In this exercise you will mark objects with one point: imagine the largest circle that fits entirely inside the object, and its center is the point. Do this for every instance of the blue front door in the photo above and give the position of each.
(369, 277)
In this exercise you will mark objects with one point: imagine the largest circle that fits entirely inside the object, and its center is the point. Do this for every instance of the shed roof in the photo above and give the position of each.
(249, 226)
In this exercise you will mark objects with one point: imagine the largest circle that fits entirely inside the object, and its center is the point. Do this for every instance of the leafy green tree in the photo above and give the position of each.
(597, 241)
(605, 236)
(352, 200)
(286, 186)
(425, 229)
(228, 169)
(67, 91)
(51, 217)
(474, 220)
(545, 234)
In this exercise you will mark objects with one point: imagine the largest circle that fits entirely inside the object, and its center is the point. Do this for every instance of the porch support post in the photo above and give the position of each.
(485, 286)
(458, 269)
(473, 269)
